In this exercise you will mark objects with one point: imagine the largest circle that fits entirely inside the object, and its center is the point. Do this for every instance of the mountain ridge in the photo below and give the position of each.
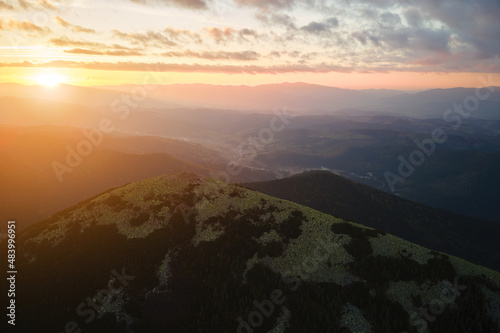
(199, 253)
(440, 230)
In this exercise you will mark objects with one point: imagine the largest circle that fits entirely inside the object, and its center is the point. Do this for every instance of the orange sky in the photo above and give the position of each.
(349, 44)
(392, 80)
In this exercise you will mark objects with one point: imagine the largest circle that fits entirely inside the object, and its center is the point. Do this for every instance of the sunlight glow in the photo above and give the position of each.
(50, 79)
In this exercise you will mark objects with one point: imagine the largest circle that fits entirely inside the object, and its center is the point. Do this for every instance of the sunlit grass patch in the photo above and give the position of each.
(391, 246)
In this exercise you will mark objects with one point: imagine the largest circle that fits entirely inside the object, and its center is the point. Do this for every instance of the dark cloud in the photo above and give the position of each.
(416, 40)
(366, 36)
(375, 3)
(448, 63)
(413, 17)
(389, 20)
(317, 28)
(266, 4)
(360, 36)
(431, 40)
(283, 20)
(395, 39)
(33, 5)
(475, 22)
(332, 22)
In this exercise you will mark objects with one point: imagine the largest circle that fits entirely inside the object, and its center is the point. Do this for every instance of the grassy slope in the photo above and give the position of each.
(465, 237)
(202, 251)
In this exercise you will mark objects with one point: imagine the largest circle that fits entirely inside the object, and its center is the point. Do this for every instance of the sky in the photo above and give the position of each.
(401, 44)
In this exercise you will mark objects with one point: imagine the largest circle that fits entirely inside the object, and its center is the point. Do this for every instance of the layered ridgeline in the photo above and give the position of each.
(183, 253)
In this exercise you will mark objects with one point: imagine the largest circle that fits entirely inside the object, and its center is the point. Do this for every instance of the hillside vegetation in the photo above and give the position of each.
(463, 236)
(183, 253)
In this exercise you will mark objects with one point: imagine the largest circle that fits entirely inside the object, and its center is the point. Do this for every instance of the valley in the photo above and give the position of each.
(168, 198)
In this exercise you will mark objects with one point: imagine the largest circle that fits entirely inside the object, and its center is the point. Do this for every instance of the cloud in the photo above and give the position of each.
(30, 5)
(62, 22)
(47, 5)
(181, 35)
(219, 55)
(245, 32)
(94, 48)
(6, 6)
(419, 35)
(431, 40)
(475, 22)
(266, 4)
(170, 37)
(395, 39)
(228, 34)
(413, 17)
(65, 41)
(23, 26)
(333, 22)
(389, 20)
(24, 4)
(116, 52)
(149, 38)
(184, 68)
(316, 28)
(283, 20)
(366, 36)
(220, 35)
(190, 4)
(415, 40)
(448, 63)
(74, 28)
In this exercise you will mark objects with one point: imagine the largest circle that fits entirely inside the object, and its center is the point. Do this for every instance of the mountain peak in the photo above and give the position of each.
(196, 252)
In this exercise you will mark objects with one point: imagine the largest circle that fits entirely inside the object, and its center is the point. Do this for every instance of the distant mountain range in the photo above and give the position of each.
(183, 253)
(299, 98)
(460, 175)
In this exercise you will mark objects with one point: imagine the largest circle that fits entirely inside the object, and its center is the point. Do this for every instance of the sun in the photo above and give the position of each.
(50, 79)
